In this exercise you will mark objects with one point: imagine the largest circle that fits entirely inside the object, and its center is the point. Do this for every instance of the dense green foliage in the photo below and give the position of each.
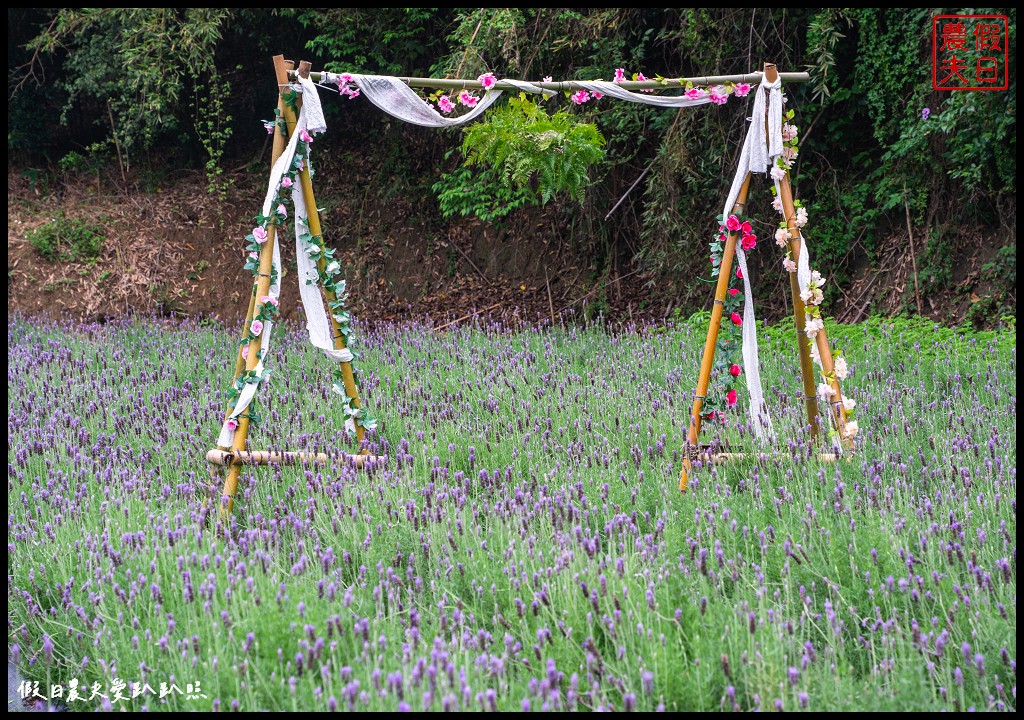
(530, 146)
(64, 238)
(158, 85)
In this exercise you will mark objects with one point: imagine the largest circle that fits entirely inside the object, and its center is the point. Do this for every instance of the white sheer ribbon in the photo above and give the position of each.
(394, 97)
(617, 91)
(757, 155)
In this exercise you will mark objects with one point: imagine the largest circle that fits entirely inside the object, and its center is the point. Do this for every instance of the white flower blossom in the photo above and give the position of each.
(333, 267)
(813, 326)
(789, 265)
(842, 371)
(815, 354)
(778, 173)
(825, 391)
(849, 403)
(781, 237)
(850, 429)
(777, 204)
(801, 217)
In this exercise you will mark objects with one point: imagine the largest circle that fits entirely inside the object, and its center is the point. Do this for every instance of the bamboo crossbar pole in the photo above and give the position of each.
(313, 221)
(704, 379)
(567, 85)
(262, 286)
(267, 457)
(722, 458)
(277, 149)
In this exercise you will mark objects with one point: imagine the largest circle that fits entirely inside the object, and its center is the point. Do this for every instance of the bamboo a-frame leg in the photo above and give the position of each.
(237, 455)
(724, 275)
(836, 407)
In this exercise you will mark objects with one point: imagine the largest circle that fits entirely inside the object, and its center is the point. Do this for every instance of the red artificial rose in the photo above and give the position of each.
(730, 398)
(749, 242)
(736, 319)
(739, 273)
(746, 228)
(733, 223)
(734, 371)
(734, 291)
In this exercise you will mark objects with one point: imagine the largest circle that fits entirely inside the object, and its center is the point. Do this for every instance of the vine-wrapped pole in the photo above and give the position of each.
(570, 85)
(262, 287)
(803, 347)
(313, 222)
(704, 379)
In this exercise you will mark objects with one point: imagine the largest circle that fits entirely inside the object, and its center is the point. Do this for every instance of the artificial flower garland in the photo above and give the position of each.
(718, 94)
(328, 268)
(729, 346)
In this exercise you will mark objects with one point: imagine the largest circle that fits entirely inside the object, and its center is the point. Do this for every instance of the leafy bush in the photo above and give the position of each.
(65, 238)
(527, 146)
(481, 193)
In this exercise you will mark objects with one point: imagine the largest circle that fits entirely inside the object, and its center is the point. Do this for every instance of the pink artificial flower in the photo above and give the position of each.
(695, 93)
(739, 273)
(778, 173)
(467, 99)
(789, 265)
(598, 96)
(733, 292)
(267, 300)
(777, 204)
(733, 223)
(256, 327)
(580, 96)
(640, 78)
(747, 227)
(719, 95)
(547, 78)
(286, 182)
(620, 75)
(723, 237)
(282, 210)
(749, 242)
(269, 126)
(734, 371)
(730, 398)
(305, 136)
(253, 256)
(345, 77)
(444, 103)
(736, 319)
(741, 89)
(245, 351)
(232, 424)
(781, 237)
(260, 234)
(487, 80)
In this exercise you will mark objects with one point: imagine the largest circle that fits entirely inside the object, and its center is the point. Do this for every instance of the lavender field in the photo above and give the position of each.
(526, 547)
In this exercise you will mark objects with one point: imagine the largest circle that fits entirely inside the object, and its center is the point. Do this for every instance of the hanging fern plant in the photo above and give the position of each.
(548, 153)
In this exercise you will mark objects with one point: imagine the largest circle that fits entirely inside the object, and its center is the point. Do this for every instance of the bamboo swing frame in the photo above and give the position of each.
(235, 457)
